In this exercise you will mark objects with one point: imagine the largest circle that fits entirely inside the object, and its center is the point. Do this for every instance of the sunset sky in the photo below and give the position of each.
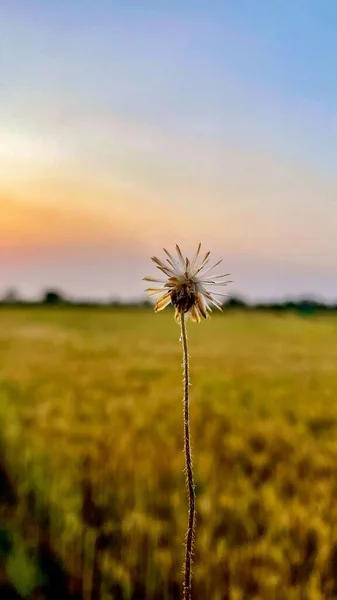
(127, 126)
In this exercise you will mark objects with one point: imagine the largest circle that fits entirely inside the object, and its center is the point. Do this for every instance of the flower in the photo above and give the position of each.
(186, 285)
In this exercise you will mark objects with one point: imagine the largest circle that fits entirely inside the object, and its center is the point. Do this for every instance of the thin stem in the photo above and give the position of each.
(187, 590)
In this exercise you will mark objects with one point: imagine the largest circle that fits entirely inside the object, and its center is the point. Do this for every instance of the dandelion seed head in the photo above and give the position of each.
(186, 284)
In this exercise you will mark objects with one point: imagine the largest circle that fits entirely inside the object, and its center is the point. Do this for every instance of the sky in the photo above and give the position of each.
(128, 126)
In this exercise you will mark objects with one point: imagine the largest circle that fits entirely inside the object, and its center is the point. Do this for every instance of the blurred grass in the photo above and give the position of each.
(91, 414)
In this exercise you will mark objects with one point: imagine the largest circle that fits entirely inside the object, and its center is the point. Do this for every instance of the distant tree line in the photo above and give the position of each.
(53, 297)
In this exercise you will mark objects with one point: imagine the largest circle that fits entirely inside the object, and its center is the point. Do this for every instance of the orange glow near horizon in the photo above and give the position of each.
(29, 227)
(56, 211)
(71, 207)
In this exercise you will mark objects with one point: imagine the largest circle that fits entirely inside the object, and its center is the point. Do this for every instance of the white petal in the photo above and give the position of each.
(202, 289)
(205, 262)
(178, 272)
(166, 270)
(195, 257)
(154, 280)
(172, 260)
(217, 276)
(207, 294)
(157, 261)
(154, 291)
(170, 284)
(216, 303)
(181, 258)
(211, 278)
(206, 301)
(210, 268)
(212, 300)
(217, 282)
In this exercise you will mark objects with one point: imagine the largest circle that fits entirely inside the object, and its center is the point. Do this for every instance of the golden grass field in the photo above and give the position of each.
(91, 421)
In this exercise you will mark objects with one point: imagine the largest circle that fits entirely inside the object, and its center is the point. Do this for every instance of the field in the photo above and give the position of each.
(93, 499)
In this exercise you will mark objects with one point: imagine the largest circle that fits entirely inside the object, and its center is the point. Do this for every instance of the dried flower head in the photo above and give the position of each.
(186, 285)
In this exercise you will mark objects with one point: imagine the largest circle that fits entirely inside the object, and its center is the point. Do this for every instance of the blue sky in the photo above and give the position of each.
(124, 113)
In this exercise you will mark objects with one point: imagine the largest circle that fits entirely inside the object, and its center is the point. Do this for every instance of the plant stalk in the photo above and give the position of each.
(187, 589)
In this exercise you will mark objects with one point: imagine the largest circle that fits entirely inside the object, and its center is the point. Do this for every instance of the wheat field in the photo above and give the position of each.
(93, 501)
